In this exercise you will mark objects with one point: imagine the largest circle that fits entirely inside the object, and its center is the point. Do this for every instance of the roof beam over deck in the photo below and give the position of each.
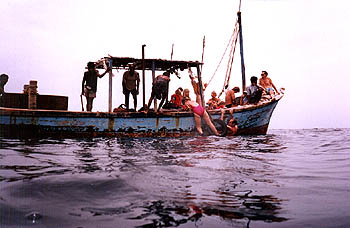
(144, 64)
(159, 64)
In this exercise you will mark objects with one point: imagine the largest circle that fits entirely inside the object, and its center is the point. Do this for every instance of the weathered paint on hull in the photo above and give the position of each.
(44, 123)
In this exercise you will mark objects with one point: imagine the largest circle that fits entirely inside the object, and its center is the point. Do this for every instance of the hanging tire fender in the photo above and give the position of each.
(220, 126)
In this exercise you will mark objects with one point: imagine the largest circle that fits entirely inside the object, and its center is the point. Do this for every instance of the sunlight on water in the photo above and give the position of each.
(288, 178)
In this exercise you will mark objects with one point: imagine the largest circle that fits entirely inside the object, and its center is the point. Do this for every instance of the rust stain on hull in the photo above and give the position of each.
(111, 124)
(35, 131)
(177, 122)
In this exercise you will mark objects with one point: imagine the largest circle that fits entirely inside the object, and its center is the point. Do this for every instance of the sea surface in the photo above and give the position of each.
(287, 178)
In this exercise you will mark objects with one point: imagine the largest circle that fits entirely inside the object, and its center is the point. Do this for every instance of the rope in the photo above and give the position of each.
(230, 61)
(233, 42)
(228, 44)
(233, 54)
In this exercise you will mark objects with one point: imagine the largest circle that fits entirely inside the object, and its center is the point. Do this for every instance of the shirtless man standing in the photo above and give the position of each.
(131, 84)
(267, 84)
(230, 97)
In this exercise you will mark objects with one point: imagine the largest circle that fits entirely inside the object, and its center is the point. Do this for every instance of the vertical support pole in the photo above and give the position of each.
(143, 74)
(172, 52)
(200, 84)
(153, 78)
(203, 53)
(32, 95)
(110, 86)
(241, 50)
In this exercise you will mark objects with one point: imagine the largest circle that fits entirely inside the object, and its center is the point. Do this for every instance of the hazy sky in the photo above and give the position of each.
(303, 44)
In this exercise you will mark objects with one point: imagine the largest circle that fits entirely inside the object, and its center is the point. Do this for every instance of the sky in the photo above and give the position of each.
(303, 44)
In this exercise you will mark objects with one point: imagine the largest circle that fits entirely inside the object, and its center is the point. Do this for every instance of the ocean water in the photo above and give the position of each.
(287, 178)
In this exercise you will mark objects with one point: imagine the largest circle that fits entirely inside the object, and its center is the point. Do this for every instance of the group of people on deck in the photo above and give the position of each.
(181, 98)
(252, 94)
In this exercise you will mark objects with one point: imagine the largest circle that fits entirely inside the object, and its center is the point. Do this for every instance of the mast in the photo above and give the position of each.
(241, 50)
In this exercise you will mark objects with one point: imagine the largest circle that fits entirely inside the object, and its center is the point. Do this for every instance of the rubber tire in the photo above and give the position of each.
(220, 126)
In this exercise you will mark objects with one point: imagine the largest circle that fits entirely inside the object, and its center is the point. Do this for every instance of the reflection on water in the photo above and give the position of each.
(202, 181)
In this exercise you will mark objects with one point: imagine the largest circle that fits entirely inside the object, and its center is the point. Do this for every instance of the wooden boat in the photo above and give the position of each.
(17, 122)
(252, 119)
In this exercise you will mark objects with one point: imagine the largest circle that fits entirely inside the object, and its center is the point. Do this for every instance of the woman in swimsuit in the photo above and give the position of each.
(200, 112)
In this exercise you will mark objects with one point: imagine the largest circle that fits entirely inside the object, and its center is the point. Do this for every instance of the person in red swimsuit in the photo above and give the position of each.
(200, 112)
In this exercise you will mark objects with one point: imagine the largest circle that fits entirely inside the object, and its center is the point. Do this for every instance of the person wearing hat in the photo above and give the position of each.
(89, 84)
(131, 83)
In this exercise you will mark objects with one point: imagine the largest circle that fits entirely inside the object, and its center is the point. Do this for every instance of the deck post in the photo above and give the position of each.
(110, 86)
(241, 50)
(153, 78)
(200, 85)
(143, 74)
(32, 95)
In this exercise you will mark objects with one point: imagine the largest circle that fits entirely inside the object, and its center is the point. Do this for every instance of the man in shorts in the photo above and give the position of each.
(89, 84)
(131, 83)
(267, 84)
(160, 89)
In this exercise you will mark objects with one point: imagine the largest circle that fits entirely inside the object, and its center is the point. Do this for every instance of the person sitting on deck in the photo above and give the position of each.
(160, 89)
(230, 99)
(244, 98)
(199, 113)
(267, 84)
(131, 83)
(89, 84)
(213, 102)
(3, 80)
(186, 94)
(232, 127)
(176, 98)
(254, 91)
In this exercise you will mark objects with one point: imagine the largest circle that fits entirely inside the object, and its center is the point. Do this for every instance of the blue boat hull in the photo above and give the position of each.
(252, 119)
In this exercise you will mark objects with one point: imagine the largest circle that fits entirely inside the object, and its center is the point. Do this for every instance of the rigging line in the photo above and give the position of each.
(203, 54)
(228, 44)
(227, 68)
(229, 65)
(233, 55)
(230, 59)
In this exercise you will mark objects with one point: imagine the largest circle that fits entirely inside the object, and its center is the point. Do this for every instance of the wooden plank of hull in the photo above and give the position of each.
(38, 123)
